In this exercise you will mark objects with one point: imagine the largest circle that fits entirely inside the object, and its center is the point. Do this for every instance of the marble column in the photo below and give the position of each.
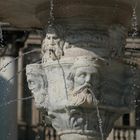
(8, 128)
(8, 119)
(8, 86)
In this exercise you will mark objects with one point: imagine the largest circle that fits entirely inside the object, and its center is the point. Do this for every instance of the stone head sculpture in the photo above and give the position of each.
(37, 83)
(53, 44)
(84, 80)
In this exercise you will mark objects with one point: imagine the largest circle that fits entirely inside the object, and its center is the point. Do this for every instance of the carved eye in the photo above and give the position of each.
(31, 82)
(48, 37)
(82, 75)
(55, 37)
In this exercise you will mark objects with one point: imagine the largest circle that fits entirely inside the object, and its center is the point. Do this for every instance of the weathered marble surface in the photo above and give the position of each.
(37, 82)
(83, 71)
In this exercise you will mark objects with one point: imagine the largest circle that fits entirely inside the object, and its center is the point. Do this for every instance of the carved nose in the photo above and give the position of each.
(51, 41)
(88, 78)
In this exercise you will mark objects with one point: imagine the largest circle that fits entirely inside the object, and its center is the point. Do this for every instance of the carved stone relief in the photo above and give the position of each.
(84, 80)
(37, 83)
(83, 121)
(52, 46)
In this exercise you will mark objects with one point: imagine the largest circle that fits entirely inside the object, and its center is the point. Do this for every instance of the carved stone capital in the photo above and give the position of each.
(87, 82)
(83, 122)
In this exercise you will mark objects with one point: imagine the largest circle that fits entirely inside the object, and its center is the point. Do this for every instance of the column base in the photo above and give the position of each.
(77, 137)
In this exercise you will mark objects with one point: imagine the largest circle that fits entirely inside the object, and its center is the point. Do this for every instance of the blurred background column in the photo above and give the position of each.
(8, 85)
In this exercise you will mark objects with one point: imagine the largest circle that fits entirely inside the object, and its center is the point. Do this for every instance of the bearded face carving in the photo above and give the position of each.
(37, 83)
(84, 82)
(52, 45)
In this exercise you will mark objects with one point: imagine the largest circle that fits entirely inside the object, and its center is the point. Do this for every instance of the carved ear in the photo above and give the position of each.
(70, 80)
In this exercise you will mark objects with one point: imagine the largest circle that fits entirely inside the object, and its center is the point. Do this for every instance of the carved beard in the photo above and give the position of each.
(83, 96)
(40, 98)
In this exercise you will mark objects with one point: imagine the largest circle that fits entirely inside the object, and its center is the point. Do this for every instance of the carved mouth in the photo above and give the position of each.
(87, 91)
(85, 87)
(32, 89)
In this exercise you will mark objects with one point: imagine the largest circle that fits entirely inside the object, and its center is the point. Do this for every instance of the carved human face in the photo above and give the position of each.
(52, 39)
(86, 76)
(36, 85)
(35, 82)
